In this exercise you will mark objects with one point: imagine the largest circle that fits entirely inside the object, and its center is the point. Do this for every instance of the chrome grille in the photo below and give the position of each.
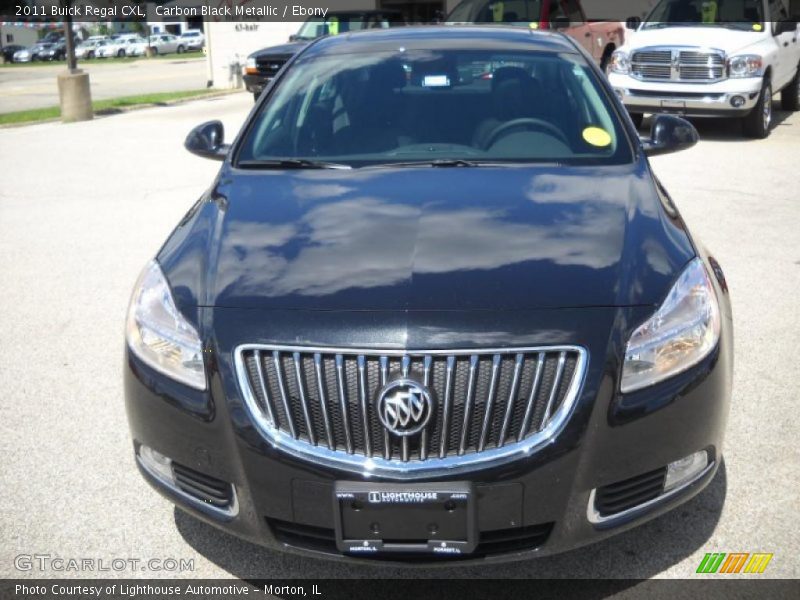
(270, 65)
(673, 64)
(488, 405)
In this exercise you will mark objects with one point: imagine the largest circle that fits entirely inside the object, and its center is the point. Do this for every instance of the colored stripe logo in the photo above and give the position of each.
(734, 562)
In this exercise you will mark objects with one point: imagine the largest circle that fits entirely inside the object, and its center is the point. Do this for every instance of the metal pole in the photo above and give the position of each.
(72, 63)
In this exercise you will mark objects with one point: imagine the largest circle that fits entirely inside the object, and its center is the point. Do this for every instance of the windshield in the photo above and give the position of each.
(496, 11)
(737, 14)
(342, 23)
(449, 105)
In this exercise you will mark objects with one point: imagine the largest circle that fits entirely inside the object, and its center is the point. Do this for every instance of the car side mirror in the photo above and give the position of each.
(560, 23)
(293, 37)
(633, 23)
(670, 134)
(206, 140)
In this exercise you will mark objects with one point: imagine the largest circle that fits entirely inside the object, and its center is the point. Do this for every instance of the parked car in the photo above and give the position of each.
(425, 317)
(88, 49)
(263, 65)
(31, 54)
(600, 39)
(10, 50)
(56, 51)
(729, 62)
(193, 39)
(118, 47)
(160, 44)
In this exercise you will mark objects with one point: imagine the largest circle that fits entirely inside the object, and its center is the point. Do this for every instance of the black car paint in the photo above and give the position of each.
(241, 274)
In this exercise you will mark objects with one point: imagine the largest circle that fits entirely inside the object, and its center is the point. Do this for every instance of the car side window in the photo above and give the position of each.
(778, 12)
(557, 10)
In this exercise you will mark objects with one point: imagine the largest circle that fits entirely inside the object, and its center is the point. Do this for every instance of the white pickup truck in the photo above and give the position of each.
(711, 58)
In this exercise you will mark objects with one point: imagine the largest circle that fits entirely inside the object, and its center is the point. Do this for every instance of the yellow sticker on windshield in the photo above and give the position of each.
(597, 137)
(533, 25)
(757, 27)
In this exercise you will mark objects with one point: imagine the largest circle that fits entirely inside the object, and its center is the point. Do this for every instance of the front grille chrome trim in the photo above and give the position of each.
(433, 465)
(679, 64)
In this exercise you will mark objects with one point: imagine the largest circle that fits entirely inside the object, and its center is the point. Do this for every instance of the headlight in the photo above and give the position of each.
(620, 63)
(747, 65)
(159, 334)
(683, 331)
(250, 66)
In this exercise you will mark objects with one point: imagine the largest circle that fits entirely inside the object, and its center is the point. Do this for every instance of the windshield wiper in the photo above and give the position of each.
(290, 163)
(440, 162)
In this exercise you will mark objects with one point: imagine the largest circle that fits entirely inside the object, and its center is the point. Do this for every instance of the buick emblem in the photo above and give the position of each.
(404, 407)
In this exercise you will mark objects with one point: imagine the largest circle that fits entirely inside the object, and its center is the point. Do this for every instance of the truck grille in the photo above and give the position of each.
(673, 64)
(270, 65)
(322, 404)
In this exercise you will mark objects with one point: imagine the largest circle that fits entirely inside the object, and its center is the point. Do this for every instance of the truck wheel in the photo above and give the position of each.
(790, 96)
(756, 124)
(637, 119)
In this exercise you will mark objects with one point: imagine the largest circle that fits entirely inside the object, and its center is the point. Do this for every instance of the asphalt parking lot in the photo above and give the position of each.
(27, 87)
(77, 227)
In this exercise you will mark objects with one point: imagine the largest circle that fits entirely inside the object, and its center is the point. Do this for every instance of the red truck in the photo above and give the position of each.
(600, 39)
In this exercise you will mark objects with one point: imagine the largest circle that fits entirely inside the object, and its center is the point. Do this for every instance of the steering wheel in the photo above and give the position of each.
(527, 123)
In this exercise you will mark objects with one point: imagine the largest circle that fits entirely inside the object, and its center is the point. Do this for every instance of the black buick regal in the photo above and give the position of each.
(435, 306)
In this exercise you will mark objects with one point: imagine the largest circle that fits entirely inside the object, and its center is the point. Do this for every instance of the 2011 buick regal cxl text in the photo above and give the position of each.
(435, 305)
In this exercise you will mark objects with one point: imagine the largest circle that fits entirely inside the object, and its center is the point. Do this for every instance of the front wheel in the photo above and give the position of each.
(790, 96)
(756, 124)
(180, 49)
(121, 54)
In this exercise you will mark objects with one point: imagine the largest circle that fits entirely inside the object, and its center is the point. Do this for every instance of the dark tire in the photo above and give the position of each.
(637, 119)
(180, 50)
(790, 96)
(120, 53)
(756, 124)
(90, 55)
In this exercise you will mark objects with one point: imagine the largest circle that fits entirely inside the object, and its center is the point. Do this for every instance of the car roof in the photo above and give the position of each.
(449, 37)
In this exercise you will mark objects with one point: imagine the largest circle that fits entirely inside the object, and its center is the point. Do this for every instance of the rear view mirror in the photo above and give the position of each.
(633, 23)
(206, 140)
(788, 26)
(670, 134)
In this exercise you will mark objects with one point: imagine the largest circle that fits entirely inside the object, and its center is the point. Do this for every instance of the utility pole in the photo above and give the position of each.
(74, 92)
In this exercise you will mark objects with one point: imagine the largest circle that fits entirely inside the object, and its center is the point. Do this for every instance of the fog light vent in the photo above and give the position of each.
(622, 495)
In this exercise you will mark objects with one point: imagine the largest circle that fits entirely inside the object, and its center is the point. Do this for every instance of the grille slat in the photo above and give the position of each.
(276, 356)
(629, 493)
(482, 401)
(301, 390)
(512, 396)
(448, 393)
(487, 414)
(341, 389)
(468, 403)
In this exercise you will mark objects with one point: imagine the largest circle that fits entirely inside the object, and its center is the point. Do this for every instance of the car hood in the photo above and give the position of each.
(289, 49)
(729, 41)
(428, 239)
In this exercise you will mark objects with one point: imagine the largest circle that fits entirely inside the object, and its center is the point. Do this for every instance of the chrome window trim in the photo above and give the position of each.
(675, 52)
(228, 512)
(596, 518)
(432, 466)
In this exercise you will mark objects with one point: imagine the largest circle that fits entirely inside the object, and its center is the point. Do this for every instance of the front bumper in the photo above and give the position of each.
(609, 438)
(256, 83)
(729, 98)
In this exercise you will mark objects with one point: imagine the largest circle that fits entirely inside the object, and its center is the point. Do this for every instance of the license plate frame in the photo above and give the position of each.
(410, 518)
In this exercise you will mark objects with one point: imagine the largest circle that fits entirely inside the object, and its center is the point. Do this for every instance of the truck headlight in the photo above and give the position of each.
(158, 333)
(620, 62)
(683, 331)
(746, 65)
